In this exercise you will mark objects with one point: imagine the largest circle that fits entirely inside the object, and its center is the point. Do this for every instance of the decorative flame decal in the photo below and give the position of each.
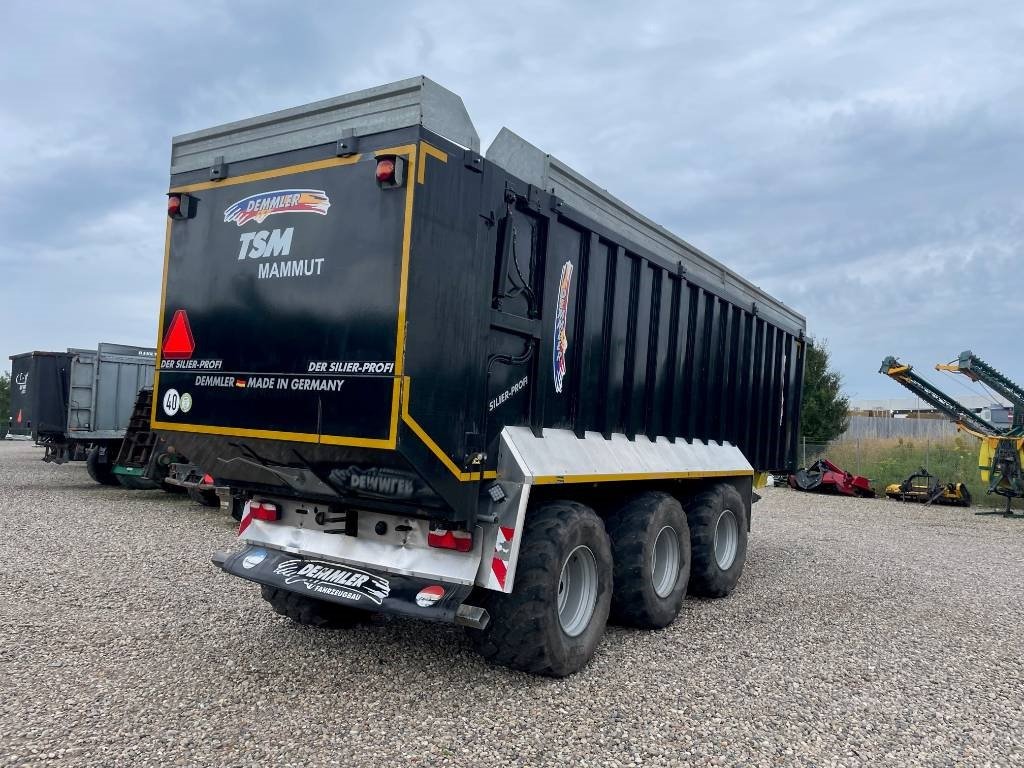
(263, 204)
(561, 341)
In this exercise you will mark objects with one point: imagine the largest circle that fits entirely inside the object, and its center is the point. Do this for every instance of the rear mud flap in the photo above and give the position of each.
(353, 586)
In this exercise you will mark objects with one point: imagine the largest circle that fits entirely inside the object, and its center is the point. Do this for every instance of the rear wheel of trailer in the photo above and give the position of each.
(205, 498)
(306, 610)
(136, 482)
(174, 490)
(718, 536)
(554, 618)
(651, 548)
(98, 465)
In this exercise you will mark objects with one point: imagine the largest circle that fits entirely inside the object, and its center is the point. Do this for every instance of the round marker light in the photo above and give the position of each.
(386, 171)
(174, 206)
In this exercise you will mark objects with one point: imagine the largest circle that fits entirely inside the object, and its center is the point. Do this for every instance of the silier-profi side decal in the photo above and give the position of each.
(263, 204)
(513, 390)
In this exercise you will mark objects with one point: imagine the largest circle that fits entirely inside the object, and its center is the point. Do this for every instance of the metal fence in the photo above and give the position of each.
(885, 460)
(880, 427)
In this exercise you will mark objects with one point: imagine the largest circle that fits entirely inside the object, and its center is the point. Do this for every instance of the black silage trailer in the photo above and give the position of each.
(40, 383)
(429, 376)
(77, 404)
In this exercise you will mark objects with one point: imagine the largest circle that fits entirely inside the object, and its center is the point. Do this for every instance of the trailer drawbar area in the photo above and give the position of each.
(461, 387)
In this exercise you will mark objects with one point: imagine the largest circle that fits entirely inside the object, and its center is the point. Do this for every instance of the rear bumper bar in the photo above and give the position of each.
(353, 586)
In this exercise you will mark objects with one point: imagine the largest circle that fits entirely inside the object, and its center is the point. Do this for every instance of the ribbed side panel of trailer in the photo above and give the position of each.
(638, 333)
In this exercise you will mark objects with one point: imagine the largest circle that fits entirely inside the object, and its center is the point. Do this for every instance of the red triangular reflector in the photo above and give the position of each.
(178, 343)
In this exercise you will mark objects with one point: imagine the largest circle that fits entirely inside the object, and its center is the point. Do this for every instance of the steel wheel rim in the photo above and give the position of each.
(665, 561)
(577, 591)
(727, 538)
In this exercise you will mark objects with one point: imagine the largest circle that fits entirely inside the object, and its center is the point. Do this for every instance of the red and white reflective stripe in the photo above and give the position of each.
(502, 553)
(267, 511)
(500, 571)
(246, 520)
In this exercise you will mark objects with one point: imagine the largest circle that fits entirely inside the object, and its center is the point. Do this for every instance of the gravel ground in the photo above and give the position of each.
(862, 633)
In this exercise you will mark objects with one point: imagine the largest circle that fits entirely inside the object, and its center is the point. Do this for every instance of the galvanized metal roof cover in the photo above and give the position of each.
(416, 101)
(521, 158)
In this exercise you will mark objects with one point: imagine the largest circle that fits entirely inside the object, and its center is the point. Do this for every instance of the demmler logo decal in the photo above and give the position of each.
(561, 341)
(333, 579)
(263, 204)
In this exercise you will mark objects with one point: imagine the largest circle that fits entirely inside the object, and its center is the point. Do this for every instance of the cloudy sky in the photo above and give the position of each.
(861, 161)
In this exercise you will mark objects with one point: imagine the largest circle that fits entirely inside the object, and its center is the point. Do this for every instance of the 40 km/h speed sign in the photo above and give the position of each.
(172, 402)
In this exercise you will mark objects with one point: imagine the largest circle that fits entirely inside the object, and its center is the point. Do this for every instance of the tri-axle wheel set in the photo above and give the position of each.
(578, 571)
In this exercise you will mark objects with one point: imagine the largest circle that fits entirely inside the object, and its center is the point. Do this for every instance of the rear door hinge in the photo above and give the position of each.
(219, 169)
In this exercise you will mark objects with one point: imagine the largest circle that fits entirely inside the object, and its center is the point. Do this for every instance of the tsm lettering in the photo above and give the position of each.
(264, 244)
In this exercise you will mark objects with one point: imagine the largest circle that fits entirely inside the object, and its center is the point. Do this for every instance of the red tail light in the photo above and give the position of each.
(390, 172)
(264, 510)
(385, 171)
(181, 206)
(460, 541)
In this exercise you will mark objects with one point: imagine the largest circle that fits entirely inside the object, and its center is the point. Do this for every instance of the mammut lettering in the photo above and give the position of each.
(293, 268)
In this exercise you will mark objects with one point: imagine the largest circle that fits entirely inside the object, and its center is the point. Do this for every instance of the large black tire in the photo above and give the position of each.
(651, 551)
(133, 483)
(707, 514)
(315, 613)
(99, 468)
(206, 498)
(525, 631)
